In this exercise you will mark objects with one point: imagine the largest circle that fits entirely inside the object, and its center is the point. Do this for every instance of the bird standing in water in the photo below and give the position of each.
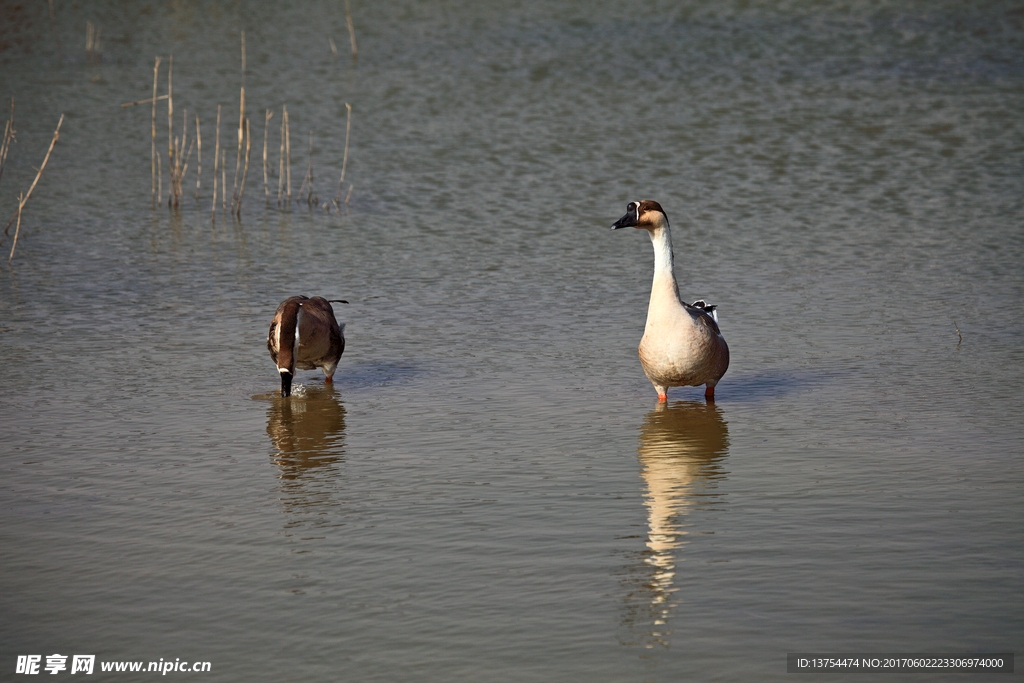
(682, 345)
(305, 335)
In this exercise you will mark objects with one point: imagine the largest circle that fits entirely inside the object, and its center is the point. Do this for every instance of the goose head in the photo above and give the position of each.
(286, 382)
(646, 215)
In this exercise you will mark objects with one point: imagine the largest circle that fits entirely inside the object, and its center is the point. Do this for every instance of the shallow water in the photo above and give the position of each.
(489, 490)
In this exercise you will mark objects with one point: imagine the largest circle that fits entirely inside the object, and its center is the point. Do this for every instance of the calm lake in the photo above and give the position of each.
(490, 490)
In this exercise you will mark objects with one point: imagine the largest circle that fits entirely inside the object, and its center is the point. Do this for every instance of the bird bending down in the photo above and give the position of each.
(305, 335)
(682, 345)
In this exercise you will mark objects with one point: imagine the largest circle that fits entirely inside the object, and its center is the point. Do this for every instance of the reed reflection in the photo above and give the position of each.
(680, 452)
(307, 431)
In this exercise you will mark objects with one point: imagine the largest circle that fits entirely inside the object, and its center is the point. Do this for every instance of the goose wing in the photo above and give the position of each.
(320, 337)
(709, 314)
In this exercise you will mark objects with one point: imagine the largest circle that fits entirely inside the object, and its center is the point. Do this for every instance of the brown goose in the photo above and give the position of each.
(682, 345)
(305, 335)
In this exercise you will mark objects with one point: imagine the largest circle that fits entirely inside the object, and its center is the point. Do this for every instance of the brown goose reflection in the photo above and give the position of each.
(680, 452)
(307, 430)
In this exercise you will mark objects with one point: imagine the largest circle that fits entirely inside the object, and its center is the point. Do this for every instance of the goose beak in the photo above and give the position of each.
(627, 221)
(286, 383)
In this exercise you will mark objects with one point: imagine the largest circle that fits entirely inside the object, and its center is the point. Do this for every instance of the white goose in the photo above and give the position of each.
(305, 335)
(682, 345)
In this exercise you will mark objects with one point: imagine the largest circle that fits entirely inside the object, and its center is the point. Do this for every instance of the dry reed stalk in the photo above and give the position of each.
(5, 146)
(245, 173)
(309, 174)
(170, 134)
(310, 199)
(179, 173)
(266, 131)
(236, 196)
(145, 101)
(184, 169)
(344, 160)
(39, 173)
(334, 48)
(248, 144)
(223, 180)
(172, 177)
(241, 130)
(17, 228)
(288, 150)
(159, 175)
(216, 160)
(280, 170)
(199, 157)
(349, 195)
(351, 32)
(179, 166)
(153, 150)
(88, 42)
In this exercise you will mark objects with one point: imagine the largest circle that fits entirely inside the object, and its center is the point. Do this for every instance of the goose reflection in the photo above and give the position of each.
(680, 452)
(307, 431)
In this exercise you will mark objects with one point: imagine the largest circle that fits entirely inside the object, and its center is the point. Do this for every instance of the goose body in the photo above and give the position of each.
(682, 344)
(305, 335)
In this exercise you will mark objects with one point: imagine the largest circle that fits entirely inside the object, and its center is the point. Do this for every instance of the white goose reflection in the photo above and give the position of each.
(307, 431)
(680, 452)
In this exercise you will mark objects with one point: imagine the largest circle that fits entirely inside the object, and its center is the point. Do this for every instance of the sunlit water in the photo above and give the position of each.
(489, 490)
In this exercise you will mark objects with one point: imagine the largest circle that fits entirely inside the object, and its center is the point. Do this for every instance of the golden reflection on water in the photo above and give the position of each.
(307, 429)
(680, 452)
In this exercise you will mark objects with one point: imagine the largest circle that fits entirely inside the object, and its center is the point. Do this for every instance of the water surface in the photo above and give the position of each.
(490, 490)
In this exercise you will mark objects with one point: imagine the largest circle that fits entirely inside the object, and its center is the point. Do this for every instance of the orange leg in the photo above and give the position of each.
(662, 398)
(328, 379)
(709, 393)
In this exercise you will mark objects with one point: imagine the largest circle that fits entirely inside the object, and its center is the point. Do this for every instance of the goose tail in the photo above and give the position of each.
(710, 309)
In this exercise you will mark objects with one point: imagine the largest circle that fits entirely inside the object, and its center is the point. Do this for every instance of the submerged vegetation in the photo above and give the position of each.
(23, 197)
(180, 148)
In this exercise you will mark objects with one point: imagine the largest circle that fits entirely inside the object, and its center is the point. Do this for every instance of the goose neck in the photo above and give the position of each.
(664, 285)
